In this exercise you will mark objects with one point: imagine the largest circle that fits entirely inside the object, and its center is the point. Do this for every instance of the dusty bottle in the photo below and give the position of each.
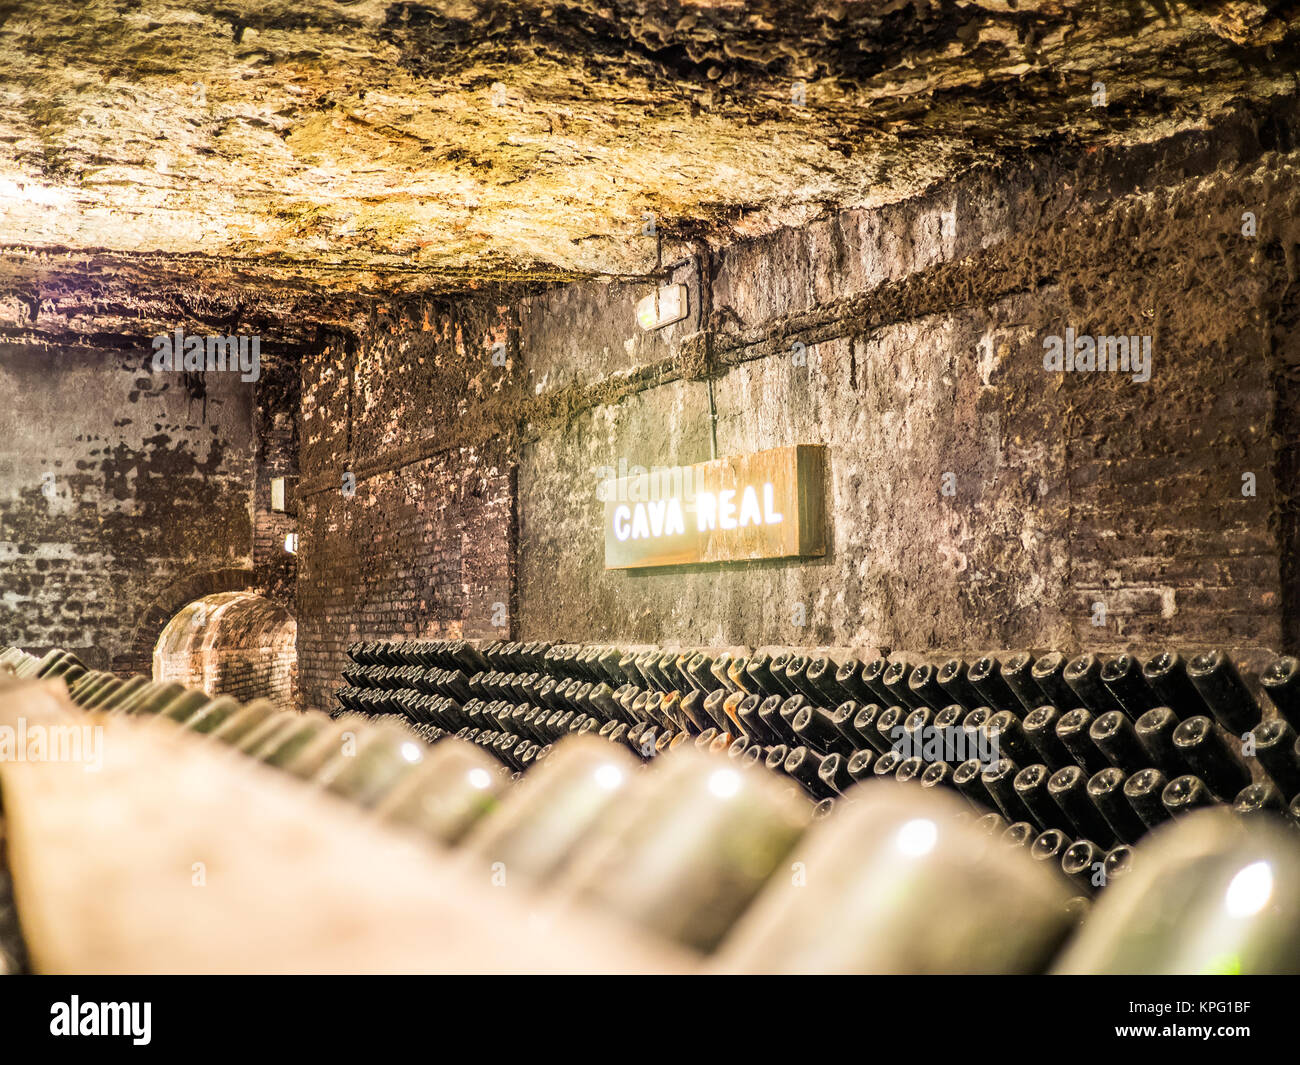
(1184, 794)
(1106, 790)
(909, 769)
(895, 680)
(1002, 912)
(1115, 737)
(542, 821)
(1068, 788)
(1031, 788)
(849, 677)
(1017, 671)
(1255, 800)
(953, 678)
(986, 677)
(1281, 683)
(966, 778)
(1155, 731)
(1222, 688)
(873, 676)
(804, 765)
(1143, 791)
(1123, 677)
(1209, 894)
(693, 846)
(150, 699)
(815, 727)
(1040, 729)
(284, 747)
(239, 725)
(1083, 674)
(107, 690)
(384, 755)
(865, 726)
(451, 790)
(1073, 730)
(1166, 675)
(887, 764)
(1049, 846)
(1204, 749)
(1082, 861)
(1276, 749)
(1048, 673)
(843, 718)
(1005, 733)
(925, 688)
(834, 773)
(860, 764)
(937, 775)
(999, 780)
(212, 716)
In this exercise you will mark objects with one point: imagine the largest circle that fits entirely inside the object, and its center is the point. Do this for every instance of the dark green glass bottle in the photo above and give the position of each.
(153, 698)
(265, 731)
(384, 755)
(129, 687)
(291, 744)
(184, 706)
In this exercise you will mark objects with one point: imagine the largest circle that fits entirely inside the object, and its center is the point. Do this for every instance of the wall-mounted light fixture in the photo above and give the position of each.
(662, 307)
(291, 543)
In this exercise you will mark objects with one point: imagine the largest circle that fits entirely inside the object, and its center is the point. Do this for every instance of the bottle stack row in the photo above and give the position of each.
(1073, 758)
(700, 845)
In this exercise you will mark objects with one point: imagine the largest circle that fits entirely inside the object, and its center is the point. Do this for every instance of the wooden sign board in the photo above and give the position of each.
(766, 505)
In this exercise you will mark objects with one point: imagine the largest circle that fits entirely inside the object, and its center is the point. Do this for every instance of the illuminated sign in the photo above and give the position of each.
(765, 505)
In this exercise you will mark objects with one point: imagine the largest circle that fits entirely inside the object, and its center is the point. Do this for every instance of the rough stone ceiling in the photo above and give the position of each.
(308, 152)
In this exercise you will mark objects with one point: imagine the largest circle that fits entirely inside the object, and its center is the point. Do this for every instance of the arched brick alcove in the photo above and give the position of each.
(138, 658)
(231, 643)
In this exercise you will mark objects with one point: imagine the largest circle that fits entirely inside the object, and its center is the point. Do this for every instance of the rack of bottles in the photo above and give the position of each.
(694, 795)
(1074, 758)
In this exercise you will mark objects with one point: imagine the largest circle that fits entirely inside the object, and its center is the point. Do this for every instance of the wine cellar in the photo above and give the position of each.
(682, 488)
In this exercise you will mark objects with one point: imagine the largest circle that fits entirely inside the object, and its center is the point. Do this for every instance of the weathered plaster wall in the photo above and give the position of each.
(923, 326)
(148, 501)
(909, 340)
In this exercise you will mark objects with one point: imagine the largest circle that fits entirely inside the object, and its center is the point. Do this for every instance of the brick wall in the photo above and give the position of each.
(122, 492)
(238, 644)
(421, 544)
(275, 568)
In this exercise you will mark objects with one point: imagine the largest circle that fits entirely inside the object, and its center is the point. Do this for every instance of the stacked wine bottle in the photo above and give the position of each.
(379, 764)
(1073, 758)
(958, 868)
